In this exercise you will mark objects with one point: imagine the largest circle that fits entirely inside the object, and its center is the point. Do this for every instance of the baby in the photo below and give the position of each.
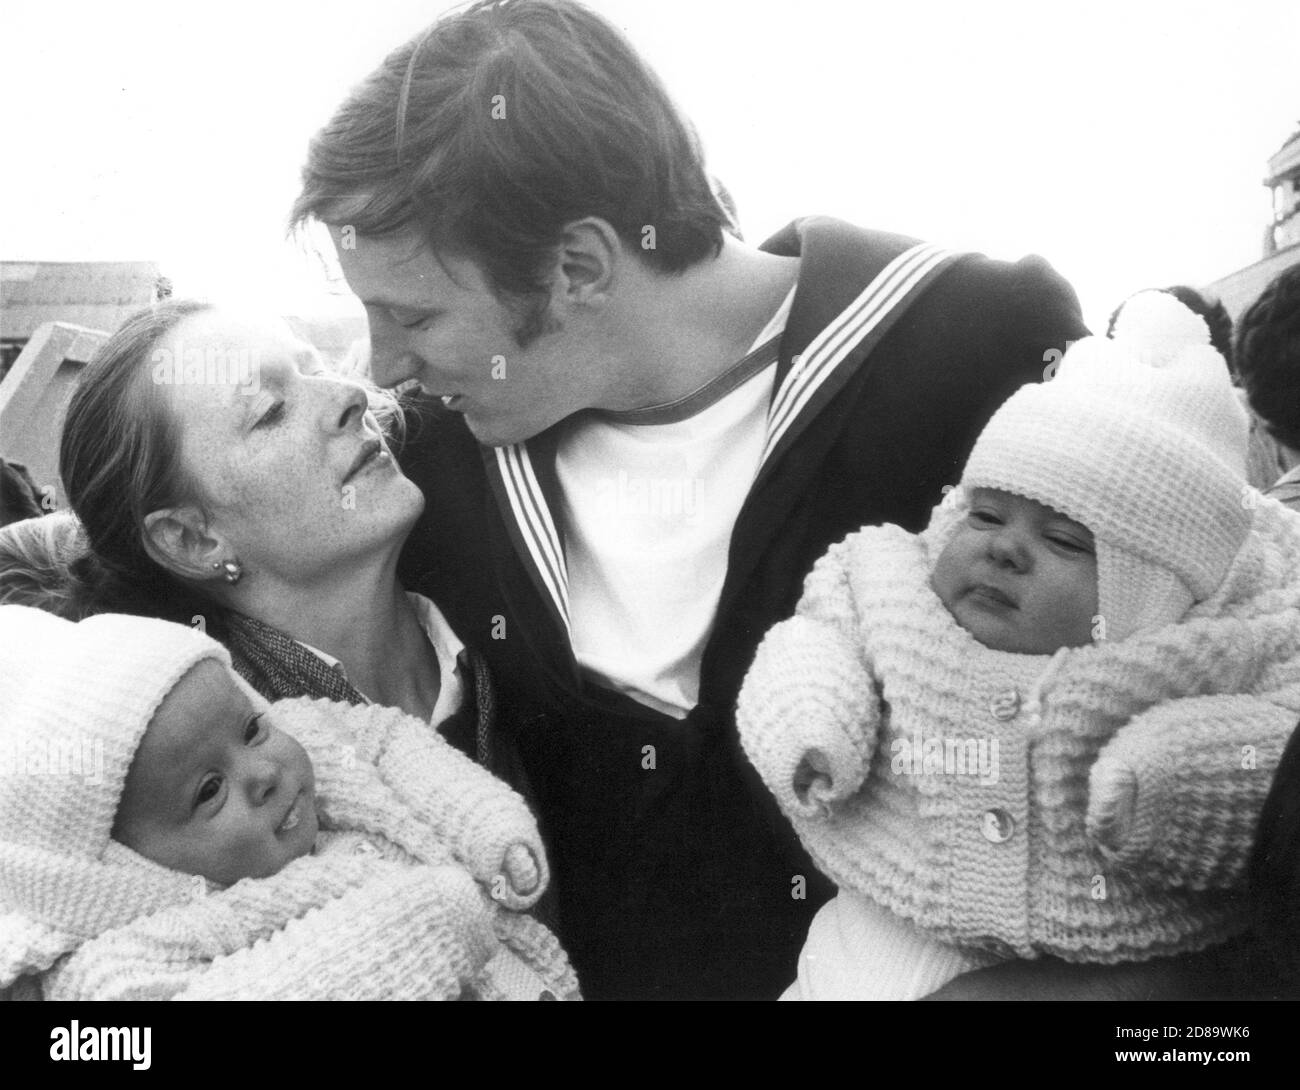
(166, 833)
(1045, 725)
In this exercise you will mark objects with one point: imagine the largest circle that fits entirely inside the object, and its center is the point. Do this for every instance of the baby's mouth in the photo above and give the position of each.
(984, 593)
(293, 817)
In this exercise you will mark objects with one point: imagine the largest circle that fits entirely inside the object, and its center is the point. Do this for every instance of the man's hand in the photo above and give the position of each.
(1193, 976)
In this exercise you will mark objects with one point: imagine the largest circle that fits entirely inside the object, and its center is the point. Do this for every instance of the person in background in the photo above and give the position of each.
(1262, 454)
(1268, 360)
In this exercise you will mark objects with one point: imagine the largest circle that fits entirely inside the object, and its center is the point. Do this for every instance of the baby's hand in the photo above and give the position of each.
(521, 869)
(1112, 805)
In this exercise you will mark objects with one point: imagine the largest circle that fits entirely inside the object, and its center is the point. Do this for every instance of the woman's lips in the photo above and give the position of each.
(372, 454)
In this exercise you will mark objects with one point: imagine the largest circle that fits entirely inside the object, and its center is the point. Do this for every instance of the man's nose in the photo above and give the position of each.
(391, 360)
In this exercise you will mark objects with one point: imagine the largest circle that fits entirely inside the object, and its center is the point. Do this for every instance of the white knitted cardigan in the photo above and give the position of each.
(408, 896)
(1179, 731)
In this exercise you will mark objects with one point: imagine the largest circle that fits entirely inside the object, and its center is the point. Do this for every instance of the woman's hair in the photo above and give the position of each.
(36, 555)
(501, 123)
(120, 461)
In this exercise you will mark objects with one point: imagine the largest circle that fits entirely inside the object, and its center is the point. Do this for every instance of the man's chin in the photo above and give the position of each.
(495, 433)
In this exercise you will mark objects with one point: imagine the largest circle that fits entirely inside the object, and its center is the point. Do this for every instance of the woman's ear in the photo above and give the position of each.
(177, 538)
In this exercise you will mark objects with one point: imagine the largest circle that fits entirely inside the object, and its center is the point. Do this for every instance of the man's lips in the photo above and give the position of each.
(986, 594)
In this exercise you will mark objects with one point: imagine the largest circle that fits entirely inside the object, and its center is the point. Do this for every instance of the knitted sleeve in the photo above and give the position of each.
(1176, 794)
(808, 712)
(457, 803)
(368, 928)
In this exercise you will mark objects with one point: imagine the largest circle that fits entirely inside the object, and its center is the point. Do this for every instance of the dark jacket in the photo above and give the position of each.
(677, 877)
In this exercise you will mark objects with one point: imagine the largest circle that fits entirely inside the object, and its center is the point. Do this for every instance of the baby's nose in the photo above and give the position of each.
(262, 778)
(1006, 547)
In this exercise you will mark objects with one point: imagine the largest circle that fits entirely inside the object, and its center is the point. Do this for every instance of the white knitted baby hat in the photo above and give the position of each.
(1140, 438)
(75, 700)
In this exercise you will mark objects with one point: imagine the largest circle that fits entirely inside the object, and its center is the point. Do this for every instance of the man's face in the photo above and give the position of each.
(438, 321)
(1019, 576)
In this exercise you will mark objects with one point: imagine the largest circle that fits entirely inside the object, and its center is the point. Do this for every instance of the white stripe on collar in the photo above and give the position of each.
(828, 349)
(533, 518)
(817, 363)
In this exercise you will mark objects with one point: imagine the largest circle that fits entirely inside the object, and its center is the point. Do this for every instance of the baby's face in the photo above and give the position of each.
(1019, 576)
(215, 789)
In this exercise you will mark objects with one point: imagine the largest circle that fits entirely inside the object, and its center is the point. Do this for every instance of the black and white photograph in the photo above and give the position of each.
(651, 500)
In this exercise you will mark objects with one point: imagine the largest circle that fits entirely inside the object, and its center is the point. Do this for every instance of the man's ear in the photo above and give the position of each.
(177, 538)
(588, 261)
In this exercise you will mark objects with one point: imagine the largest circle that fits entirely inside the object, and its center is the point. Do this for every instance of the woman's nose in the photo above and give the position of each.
(346, 401)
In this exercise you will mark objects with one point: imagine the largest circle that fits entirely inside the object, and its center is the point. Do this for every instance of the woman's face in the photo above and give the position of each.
(271, 440)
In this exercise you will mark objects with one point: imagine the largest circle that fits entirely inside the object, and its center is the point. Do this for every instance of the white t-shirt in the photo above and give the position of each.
(446, 646)
(649, 509)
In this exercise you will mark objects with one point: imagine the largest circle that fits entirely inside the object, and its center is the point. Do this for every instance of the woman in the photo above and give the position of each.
(226, 478)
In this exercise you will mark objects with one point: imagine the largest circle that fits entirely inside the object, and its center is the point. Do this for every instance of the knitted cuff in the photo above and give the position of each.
(484, 821)
(380, 765)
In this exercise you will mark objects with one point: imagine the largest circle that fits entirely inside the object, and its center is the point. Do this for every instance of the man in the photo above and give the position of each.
(654, 431)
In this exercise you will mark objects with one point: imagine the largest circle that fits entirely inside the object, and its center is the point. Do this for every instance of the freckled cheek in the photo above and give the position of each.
(282, 487)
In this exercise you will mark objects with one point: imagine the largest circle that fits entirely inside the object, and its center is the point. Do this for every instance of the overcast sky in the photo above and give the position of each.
(1126, 142)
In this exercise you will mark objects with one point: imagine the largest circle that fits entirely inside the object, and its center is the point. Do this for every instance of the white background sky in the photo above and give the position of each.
(1125, 142)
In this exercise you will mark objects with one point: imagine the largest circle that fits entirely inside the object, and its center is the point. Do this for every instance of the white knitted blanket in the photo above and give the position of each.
(416, 891)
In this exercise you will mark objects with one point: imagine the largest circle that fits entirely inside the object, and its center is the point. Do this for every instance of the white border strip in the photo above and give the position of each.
(829, 348)
(534, 521)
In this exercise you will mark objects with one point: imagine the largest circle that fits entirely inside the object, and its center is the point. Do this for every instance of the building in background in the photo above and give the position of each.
(1281, 238)
(94, 294)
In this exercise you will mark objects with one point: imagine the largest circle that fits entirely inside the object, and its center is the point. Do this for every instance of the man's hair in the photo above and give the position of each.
(503, 122)
(1268, 357)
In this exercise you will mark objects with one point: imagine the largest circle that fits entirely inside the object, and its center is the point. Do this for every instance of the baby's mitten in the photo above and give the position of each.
(382, 770)
(1176, 794)
(808, 716)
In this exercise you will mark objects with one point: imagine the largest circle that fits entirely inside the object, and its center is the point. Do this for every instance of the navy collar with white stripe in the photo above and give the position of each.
(807, 377)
